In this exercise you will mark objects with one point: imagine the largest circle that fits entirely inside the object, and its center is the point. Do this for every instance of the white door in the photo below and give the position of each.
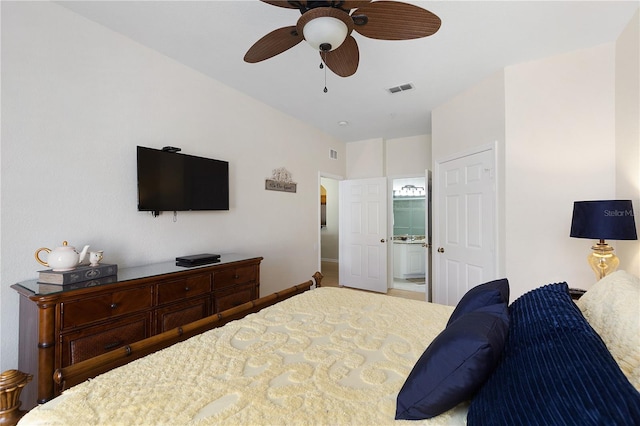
(363, 234)
(465, 213)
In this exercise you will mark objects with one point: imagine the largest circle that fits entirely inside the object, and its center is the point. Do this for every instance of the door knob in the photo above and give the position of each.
(382, 240)
(440, 249)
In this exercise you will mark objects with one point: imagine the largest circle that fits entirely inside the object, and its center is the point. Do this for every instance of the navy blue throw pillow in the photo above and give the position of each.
(455, 364)
(555, 370)
(486, 294)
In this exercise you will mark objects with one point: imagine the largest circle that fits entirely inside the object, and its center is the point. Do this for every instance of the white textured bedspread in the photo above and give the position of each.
(328, 356)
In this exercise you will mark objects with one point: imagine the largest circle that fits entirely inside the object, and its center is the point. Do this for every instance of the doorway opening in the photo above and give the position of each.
(329, 230)
(411, 235)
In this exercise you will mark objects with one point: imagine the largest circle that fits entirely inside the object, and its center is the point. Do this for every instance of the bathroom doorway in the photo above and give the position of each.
(411, 237)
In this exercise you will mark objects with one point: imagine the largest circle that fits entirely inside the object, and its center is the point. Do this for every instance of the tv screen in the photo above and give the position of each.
(169, 181)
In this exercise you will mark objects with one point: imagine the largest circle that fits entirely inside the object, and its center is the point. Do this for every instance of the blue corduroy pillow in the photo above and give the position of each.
(489, 293)
(455, 364)
(555, 370)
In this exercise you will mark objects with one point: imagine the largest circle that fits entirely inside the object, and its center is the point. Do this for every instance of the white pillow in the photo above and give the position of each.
(612, 307)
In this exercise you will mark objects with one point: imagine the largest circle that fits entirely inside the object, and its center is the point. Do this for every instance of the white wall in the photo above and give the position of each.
(560, 134)
(78, 98)
(365, 159)
(628, 134)
(409, 156)
(470, 119)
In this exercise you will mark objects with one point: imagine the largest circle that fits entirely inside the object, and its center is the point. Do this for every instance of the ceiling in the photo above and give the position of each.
(476, 39)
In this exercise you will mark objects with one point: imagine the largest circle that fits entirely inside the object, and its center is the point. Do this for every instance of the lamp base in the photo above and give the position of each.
(602, 260)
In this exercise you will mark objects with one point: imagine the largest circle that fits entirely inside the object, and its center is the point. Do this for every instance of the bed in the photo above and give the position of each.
(342, 356)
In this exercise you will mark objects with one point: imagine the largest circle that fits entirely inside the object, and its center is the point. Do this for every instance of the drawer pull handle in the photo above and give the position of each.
(112, 345)
(237, 276)
(187, 289)
(114, 305)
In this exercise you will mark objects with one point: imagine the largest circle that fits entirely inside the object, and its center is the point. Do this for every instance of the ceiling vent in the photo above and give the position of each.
(401, 88)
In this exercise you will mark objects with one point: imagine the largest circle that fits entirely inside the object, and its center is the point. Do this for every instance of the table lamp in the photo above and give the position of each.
(603, 220)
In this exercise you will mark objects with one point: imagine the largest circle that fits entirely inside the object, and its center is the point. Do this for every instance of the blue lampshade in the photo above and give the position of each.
(603, 220)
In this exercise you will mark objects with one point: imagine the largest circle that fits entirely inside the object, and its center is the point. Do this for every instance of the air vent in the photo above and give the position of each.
(401, 88)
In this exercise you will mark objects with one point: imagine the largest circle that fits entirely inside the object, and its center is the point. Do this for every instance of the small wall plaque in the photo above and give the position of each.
(274, 185)
(280, 181)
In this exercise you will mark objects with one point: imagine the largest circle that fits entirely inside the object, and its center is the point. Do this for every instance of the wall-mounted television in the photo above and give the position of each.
(170, 181)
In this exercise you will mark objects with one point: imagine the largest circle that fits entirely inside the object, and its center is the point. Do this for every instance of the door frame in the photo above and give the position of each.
(319, 242)
(391, 248)
(498, 225)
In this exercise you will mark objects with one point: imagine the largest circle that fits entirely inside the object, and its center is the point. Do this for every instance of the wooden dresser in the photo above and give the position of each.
(63, 325)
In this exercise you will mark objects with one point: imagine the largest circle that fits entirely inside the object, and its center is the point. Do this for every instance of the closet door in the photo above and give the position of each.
(465, 223)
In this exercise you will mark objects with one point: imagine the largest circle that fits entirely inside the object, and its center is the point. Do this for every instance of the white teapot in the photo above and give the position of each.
(64, 258)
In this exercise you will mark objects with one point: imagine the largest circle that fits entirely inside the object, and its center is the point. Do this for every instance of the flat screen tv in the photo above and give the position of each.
(169, 181)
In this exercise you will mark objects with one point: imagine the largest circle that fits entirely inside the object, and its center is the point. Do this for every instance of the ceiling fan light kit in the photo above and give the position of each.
(327, 27)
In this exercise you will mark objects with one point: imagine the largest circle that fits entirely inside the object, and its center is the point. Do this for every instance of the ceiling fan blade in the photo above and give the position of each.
(344, 60)
(272, 44)
(390, 20)
(286, 4)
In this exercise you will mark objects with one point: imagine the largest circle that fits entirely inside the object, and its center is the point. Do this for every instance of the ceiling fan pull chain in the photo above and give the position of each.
(324, 54)
(325, 81)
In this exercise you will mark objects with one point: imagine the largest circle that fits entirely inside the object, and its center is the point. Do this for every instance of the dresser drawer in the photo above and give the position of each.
(231, 298)
(234, 276)
(182, 289)
(91, 309)
(93, 341)
(179, 314)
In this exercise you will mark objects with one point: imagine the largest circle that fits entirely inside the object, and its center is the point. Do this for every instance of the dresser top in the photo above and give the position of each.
(33, 287)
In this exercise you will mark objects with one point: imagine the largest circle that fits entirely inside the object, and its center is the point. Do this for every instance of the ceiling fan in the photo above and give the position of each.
(327, 26)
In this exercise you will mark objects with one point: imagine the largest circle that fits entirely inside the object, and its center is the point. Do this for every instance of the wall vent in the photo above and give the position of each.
(401, 88)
